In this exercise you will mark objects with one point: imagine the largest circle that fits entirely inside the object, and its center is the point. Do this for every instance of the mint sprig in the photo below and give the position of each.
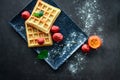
(43, 54)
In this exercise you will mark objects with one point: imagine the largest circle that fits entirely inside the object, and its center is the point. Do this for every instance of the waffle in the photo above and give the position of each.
(44, 22)
(33, 34)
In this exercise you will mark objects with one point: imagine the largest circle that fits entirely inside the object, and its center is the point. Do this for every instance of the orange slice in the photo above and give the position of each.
(94, 41)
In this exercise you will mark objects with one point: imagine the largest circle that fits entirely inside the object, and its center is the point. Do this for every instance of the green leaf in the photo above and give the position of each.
(39, 14)
(36, 15)
(43, 54)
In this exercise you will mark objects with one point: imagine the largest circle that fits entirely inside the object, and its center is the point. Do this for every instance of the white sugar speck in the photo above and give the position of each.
(35, 62)
(21, 28)
(81, 59)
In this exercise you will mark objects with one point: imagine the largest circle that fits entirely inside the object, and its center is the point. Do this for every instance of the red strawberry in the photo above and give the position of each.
(57, 37)
(55, 29)
(40, 40)
(25, 14)
(85, 48)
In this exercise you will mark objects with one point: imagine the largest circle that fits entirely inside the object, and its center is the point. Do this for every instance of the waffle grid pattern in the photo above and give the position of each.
(45, 22)
(33, 34)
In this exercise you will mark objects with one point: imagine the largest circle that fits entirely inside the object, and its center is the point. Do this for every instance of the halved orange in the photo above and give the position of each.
(94, 41)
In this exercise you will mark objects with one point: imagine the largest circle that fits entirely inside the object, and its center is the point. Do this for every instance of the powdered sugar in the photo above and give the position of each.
(78, 63)
(89, 13)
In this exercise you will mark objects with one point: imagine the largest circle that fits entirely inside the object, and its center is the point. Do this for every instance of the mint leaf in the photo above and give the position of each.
(43, 54)
(41, 13)
(36, 15)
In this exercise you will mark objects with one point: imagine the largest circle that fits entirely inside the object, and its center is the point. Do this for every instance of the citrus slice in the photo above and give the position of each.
(94, 41)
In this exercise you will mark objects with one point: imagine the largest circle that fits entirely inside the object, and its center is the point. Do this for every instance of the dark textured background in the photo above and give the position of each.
(18, 62)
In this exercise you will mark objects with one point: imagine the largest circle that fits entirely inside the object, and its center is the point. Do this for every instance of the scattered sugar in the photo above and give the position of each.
(89, 14)
(70, 41)
(73, 68)
(77, 64)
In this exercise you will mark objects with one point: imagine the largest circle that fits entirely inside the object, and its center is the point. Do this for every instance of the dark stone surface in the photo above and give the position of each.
(18, 62)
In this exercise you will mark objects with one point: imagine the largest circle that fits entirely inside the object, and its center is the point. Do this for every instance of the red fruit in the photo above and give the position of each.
(40, 40)
(25, 14)
(55, 29)
(85, 48)
(57, 37)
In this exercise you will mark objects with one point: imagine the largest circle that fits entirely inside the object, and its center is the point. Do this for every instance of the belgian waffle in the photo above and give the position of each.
(33, 34)
(44, 22)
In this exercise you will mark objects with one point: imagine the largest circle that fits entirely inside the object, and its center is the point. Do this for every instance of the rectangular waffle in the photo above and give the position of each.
(45, 22)
(33, 34)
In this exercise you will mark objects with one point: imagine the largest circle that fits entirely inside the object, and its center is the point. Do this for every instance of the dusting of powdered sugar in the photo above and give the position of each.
(64, 50)
(89, 14)
(78, 63)
(74, 39)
